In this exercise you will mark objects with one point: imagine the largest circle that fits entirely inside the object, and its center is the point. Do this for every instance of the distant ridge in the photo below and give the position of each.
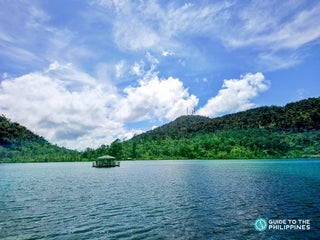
(302, 115)
(292, 131)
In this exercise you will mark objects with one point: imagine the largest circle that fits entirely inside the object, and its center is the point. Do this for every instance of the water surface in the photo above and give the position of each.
(158, 199)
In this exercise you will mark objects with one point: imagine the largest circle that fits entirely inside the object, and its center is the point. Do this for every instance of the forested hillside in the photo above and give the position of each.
(292, 131)
(18, 144)
(295, 117)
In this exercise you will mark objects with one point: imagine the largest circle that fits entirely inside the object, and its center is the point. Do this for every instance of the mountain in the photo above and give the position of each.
(19, 144)
(299, 116)
(291, 131)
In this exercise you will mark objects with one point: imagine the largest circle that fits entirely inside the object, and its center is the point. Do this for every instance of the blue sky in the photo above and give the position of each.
(83, 73)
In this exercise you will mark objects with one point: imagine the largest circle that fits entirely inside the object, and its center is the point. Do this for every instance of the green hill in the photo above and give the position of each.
(292, 131)
(18, 144)
(299, 116)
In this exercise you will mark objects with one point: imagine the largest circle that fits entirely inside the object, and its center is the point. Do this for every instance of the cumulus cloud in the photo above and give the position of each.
(155, 98)
(73, 109)
(235, 95)
(63, 104)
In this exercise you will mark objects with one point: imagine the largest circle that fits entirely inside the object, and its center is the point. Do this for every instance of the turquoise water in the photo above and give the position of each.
(158, 199)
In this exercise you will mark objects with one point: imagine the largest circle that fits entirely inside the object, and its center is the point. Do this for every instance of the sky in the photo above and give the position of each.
(84, 73)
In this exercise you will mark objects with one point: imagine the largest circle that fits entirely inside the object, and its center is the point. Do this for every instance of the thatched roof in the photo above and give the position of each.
(106, 157)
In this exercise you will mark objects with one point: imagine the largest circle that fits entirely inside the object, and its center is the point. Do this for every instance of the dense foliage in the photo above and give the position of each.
(299, 116)
(292, 131)
(18, 144)
(228, 144)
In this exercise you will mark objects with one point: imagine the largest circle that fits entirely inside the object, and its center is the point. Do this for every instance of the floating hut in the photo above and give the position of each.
(105, 162)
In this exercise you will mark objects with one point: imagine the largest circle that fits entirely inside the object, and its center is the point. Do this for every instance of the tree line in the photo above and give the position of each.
(292, 131)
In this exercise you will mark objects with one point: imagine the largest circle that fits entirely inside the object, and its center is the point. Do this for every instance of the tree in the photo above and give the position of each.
(115, 149)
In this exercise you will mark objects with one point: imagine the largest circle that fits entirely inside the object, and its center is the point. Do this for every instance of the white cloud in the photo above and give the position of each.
(30, 40)
(268, 27)
(69, 74)
(155, 98)
(194, 18)
(5, 75)
(272, 61)
(5, 37)
(137, 36)
(145, 25)
(63, 104)
(304, 28)
(137, 69)
(72, 109)
(33, 38)
(275, 33)
(146, 68)
(36, 17)
(131, 134)
(130, 30)
(235, 95)
(273, 26)
(12, 52)
(167, 53)
(120, 68)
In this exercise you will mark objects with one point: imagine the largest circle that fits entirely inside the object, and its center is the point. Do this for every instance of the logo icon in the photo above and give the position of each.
(260, 224)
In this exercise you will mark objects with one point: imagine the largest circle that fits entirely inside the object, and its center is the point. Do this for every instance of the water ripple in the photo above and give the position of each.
(156, 199)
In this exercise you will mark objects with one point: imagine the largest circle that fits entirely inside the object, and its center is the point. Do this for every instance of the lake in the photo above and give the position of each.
(193, 199)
